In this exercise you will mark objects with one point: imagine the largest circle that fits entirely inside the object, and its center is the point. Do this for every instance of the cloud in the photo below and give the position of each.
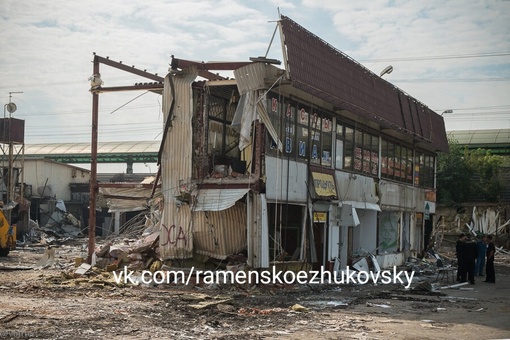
(47, 51)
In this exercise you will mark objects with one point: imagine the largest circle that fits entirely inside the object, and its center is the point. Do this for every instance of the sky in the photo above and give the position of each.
(448, 54)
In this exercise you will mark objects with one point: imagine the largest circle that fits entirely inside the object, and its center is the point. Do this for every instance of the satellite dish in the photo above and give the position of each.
(11, 107)
(387, 70)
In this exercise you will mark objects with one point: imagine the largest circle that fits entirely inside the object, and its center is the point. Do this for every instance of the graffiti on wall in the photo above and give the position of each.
(173, 236)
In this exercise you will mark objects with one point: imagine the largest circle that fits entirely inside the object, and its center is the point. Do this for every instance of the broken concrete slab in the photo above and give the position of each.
(47, 259)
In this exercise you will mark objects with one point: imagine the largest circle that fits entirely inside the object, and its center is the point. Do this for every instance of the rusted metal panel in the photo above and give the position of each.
(176, 239)
(219, 234)
(327, 73)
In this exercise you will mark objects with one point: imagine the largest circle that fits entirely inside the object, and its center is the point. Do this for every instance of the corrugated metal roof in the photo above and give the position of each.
(317, 68)
(481, 137)
(84, 148)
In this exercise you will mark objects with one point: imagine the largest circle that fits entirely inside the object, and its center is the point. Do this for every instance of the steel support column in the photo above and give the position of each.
(93, 168)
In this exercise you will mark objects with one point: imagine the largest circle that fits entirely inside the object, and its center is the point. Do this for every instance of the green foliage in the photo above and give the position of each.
(487, 167)
(462, 172)
(453, 175)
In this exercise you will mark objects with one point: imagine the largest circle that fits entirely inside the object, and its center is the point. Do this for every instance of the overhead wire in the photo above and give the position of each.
(439, 57)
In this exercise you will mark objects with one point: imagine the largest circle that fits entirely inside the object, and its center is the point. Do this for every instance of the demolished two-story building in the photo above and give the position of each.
(318, 161)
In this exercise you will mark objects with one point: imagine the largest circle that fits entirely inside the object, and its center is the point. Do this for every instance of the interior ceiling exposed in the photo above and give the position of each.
(318, 68)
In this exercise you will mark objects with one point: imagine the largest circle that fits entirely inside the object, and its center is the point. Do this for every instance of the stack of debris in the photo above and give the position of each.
(136, 254)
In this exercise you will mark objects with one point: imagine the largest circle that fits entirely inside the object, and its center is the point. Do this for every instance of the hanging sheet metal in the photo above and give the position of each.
(176, 239)
(217, 199)
(252, 104)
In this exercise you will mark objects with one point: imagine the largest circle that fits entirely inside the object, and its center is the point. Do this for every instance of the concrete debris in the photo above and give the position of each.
(424, 286)
(82, 270)
(47, 260)
(137, 255)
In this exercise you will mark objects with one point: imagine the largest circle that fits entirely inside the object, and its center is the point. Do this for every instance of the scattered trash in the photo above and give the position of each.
(477, 310)
(455, 285)
(255, 311)
(82, 269)
(424, 286)
(298, 308)
(370, 304)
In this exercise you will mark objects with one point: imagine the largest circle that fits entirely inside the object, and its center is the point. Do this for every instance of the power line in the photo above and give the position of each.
(440, 57)
(458, 80)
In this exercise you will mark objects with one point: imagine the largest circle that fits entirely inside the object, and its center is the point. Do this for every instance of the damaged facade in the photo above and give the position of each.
(314, 164)
(320, 161)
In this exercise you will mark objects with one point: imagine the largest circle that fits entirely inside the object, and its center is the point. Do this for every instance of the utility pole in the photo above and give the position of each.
(7, 137)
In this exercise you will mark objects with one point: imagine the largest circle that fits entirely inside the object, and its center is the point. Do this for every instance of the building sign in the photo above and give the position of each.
(319, 216)
(430, 195)
(324, 184)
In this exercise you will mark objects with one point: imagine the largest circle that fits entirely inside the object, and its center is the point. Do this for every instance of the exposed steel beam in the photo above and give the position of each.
(130, 69)
(127, 185)
(150, 87)
(210, 65)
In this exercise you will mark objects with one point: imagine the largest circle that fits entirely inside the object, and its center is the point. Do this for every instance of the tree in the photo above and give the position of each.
(453, 175)
(462, 172)
(487, 170)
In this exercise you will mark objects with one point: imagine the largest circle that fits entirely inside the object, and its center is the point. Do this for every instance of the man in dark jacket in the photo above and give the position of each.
(470, 254)
(490, 274)
(459, 248)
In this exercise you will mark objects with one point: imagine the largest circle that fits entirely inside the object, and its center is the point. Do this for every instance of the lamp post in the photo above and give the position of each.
(387, 70)
(447, 111)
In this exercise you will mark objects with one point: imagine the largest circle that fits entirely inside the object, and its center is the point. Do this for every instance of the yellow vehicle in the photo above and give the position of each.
(7, 236)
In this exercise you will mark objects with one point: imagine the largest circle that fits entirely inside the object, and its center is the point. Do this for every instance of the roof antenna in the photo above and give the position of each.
(271, 42)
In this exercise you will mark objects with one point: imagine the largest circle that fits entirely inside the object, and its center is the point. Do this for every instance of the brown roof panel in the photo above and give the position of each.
(321, 70)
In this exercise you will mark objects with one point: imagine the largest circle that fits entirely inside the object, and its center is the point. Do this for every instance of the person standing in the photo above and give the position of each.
(481, 247)
(459, 248)
(470, 254)
(490, 274)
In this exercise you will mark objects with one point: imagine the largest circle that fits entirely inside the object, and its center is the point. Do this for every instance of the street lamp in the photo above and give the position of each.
(387, 70)
(446, 111)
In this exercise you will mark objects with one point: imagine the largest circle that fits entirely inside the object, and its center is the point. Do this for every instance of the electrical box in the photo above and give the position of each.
(12, 130)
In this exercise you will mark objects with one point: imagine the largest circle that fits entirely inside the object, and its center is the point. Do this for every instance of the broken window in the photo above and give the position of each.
(285, 230)
(222, 138)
